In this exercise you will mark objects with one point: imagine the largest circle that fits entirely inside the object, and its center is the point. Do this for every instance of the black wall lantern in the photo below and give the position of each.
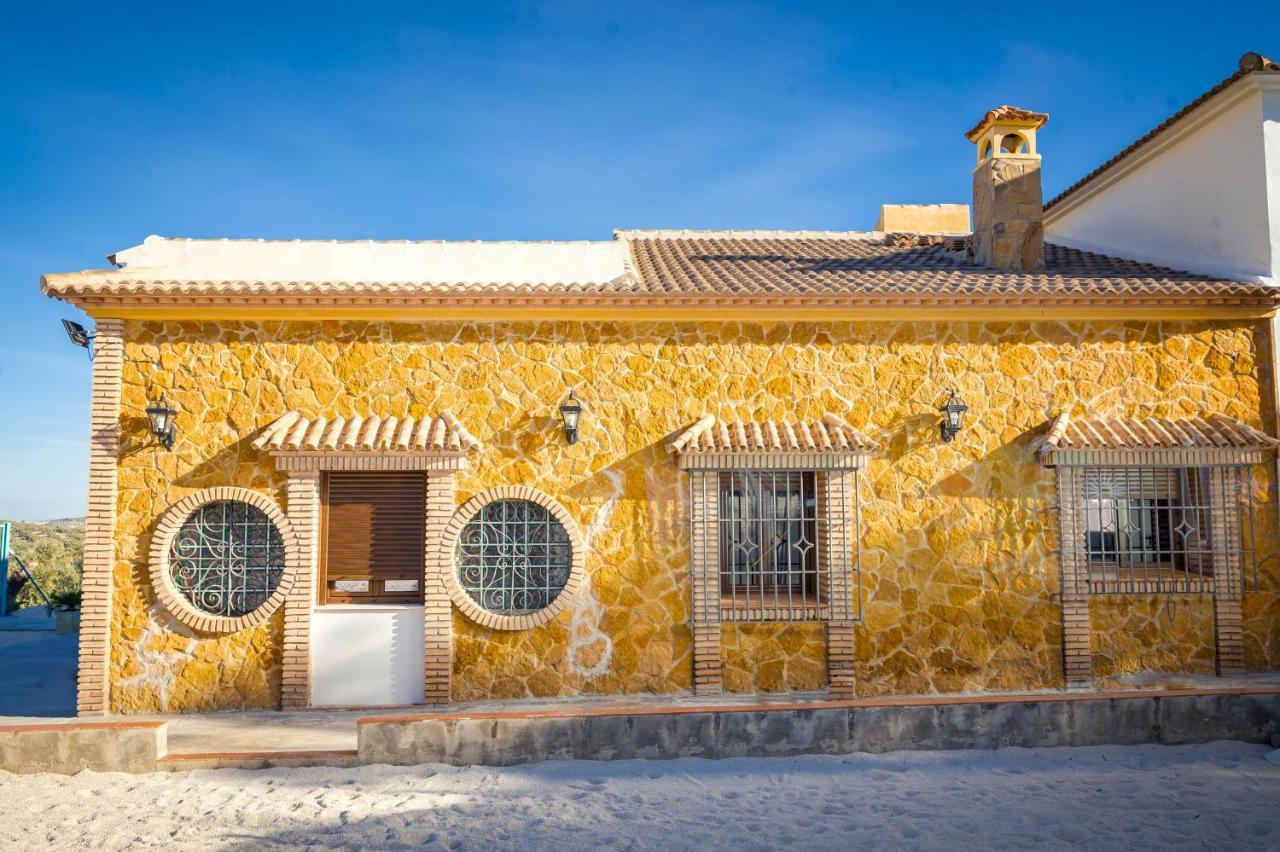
(570, 411)
(161, 415)
(952, 416)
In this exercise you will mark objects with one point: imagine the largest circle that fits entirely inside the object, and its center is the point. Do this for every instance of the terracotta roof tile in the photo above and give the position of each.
(710, 434)
(1250, 63)
(802, 268)
(1217, 431)
(294, 433)
(1006, 113)
(899, 265)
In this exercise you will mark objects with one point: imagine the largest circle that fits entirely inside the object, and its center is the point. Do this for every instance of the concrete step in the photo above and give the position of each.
(185, 762)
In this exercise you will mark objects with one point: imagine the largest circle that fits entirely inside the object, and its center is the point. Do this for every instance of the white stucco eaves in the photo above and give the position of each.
(377, 261)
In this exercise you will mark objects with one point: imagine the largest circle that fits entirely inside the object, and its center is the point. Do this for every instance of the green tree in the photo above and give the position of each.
(54, 552)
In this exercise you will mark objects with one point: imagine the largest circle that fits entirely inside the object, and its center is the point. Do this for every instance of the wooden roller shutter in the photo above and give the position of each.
(373, 532)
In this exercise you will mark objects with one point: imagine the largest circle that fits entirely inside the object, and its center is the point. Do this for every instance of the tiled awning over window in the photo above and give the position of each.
(712, 442)
(1216, 439)
(295, 433)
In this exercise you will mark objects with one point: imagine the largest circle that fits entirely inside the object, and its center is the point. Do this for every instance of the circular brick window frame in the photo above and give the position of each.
(167, 529)
(448, 557)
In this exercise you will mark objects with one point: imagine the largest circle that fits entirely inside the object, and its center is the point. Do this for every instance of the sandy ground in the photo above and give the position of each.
(1224, 795)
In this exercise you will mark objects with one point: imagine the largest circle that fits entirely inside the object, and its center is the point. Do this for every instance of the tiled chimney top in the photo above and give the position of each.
(1010, 116)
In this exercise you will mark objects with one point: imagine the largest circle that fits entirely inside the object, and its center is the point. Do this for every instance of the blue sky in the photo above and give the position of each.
(520, 121)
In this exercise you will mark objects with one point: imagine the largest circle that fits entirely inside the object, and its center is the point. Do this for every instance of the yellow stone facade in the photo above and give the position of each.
(959, 572)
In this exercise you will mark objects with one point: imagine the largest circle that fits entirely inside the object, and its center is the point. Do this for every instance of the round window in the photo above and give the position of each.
(514, 557)
(227, 558)
(517, 558)
(221, 559)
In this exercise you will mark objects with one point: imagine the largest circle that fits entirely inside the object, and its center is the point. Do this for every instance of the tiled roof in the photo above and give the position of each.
(905, 268)
(1217, 431)
(295, 433)
(710, 434)
(1006, 113)
(1250, 63)
(728, 268)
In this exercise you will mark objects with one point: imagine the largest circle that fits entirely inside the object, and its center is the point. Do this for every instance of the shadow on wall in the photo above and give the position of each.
(961, 594)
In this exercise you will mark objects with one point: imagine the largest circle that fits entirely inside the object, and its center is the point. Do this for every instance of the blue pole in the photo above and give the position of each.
(4, 568)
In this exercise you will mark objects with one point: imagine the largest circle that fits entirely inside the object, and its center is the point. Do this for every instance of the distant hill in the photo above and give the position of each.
(54, 551)
(65, 522)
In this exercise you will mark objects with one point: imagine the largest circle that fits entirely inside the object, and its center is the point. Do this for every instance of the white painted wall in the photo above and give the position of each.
(1202, 197)
(1271, 143)
(367, 656)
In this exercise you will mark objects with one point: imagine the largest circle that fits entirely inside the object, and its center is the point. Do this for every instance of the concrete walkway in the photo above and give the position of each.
(37, 674)
(29, 618)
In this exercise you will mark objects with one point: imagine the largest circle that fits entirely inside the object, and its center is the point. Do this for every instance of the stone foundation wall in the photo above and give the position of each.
(959, 567)
(771, 730)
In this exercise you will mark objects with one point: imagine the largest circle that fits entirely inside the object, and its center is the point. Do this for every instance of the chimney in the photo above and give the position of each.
(923, 219)
(1008, 208)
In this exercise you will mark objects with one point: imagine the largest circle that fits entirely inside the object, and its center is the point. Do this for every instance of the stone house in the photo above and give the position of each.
(913, 460)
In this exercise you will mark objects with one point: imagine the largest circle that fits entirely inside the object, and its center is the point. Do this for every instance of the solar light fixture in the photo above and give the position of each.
(570, 411)
(79, 335)
(953, 411)
(161, 415)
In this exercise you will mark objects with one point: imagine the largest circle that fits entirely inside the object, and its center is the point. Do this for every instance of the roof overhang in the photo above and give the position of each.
(712, 443)
(1211, 441)
(411, 302)
(337, 442)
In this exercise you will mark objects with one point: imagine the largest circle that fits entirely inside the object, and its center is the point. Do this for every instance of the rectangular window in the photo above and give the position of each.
(373, 529)
(1148, 529)
(779, 533)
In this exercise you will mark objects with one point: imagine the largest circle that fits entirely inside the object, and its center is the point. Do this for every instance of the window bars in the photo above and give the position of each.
(514, 557)
(227, 558)
(1167, 530)
(785, 544)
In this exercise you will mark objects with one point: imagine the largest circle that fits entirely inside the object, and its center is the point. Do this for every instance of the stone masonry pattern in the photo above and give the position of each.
(960, 574)
(1008, 231)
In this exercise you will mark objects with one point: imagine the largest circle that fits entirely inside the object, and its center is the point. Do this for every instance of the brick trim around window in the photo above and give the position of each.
(1225, 581)
(438, 607)
(448, 557)
(836, 506)
(167, 529)
(303, 494)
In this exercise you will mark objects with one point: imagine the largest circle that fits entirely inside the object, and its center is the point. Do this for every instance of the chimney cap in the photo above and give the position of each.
(1007, 115)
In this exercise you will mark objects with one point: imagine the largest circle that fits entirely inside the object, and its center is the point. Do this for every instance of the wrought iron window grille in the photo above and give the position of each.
(1165, 530)
(787, 545)
(514, 557)
(227, 558)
